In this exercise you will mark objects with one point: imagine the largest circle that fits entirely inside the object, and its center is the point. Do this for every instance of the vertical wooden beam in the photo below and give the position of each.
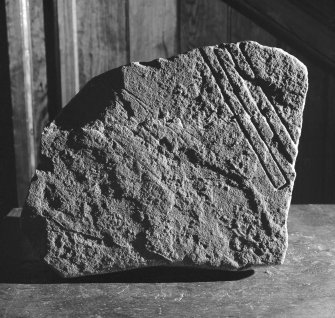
(20, 64)
(242, 29)
(50, 10)
(203, 23)
(152, 29)
(39, 72)
(102, 36)
(67, 26)
(8, 197)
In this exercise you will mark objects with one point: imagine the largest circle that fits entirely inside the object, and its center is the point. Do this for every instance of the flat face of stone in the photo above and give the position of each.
(186, 161)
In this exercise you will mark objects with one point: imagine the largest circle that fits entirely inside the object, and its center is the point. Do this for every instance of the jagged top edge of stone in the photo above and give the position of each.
(302, 66)
(171, 58)
(153, 63)
(295, 59)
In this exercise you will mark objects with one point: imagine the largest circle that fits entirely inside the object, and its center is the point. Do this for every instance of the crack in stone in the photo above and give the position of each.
(67, 229)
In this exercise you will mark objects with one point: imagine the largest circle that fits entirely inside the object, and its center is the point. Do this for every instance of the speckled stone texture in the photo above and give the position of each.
(186, 161)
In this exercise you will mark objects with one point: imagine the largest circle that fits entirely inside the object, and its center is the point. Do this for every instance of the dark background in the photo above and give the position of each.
(49, 49)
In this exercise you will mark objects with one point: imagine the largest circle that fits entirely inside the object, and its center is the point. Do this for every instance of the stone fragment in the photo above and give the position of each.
(181, 161)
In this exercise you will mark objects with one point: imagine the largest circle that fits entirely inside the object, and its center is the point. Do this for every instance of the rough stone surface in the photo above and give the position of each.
(186, 161)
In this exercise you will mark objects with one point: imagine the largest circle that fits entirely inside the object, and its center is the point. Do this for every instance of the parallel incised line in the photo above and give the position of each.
(136, 99)
(265, 157)
(286, 131)
(283, 158)
(267, 110)
(250, 107)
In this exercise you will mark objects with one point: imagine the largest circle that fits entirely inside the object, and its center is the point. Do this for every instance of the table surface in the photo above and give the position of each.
(304, 286)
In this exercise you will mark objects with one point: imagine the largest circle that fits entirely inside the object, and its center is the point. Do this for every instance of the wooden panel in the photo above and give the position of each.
(295, 26)
(102, 36)
(203, 23)
(39, 72)
(322, 10)
(50, 10)
(7, 159)
(243, 29)
(67, 26)
(152, 29)
(21, 79)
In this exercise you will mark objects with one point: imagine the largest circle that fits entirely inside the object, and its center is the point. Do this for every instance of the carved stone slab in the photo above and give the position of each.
(186, 161)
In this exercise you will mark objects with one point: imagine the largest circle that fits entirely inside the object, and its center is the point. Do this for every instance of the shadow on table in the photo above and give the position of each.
(39, 273)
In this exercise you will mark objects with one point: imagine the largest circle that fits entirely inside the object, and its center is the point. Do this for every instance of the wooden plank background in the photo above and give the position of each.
(50, 48)
(8, 196)
(22, 88)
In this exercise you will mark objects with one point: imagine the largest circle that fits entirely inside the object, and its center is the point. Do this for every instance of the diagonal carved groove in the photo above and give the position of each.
(269, 165)
(133, 97)
(249, 105)
(283, 152)
(68, 229)
(267, 111)
(286, 129)
(288, 146)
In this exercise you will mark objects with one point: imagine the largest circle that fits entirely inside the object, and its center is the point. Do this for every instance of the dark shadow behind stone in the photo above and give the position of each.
(91, 101)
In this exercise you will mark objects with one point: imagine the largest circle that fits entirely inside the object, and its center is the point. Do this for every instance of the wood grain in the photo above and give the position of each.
(203, 23)
(102, 37)
(299, 29)
(152, 29)
(50, 11)
(322, 10)
(67, 26)
(8, 197)
(304, 286)
(21, 79)
(244, 29)
(39, 72)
